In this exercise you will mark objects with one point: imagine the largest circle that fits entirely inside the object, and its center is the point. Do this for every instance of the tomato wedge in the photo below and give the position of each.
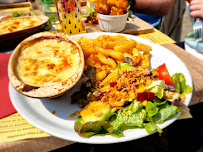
(164, 74)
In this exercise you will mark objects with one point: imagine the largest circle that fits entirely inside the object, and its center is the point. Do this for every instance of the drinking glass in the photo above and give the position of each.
(69, 13)
(49, 10)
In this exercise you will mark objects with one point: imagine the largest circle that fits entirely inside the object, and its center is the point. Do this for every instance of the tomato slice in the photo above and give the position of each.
(164, 74)
(5, 17)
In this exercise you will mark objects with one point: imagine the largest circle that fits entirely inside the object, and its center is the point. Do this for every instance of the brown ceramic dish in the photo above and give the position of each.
(12, 31)
(46, 65)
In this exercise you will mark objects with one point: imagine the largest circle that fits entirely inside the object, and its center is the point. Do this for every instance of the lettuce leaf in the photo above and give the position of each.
(124, 66)
(92, 128)
(187, 89)
(159, 91)
(151, 109)
(159, 83)
(180, 84)
(121, 65)
(127, 117)
(166, 111)
(159, 101)
(151, 127)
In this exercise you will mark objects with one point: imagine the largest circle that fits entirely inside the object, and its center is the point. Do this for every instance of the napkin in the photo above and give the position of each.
(6, 107)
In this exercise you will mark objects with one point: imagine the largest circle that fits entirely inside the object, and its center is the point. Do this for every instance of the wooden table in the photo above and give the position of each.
(194, 66)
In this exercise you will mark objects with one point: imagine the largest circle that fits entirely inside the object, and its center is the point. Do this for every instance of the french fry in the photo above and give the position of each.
(146, 56)
(103, 58)
(124, 48)
(90, 61)
(87, 50)
(103, 38)
(101, 75)
(145, 64)
(95, 58)
(145, 61)
(137, 56)
(97, 65)
(118, 38)
(111, 45)
(104, 67)
(99, 43)
(113, 63)
(109, 52)
(143, 47)
(87, 41)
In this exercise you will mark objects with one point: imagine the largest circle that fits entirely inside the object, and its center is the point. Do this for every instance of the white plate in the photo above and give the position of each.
(39, 111)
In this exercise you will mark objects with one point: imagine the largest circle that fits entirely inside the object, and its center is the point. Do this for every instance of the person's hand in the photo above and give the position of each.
(196, 8)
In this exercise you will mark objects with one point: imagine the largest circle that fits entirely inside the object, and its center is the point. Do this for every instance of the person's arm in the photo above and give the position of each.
(196, 8)
(153, 7)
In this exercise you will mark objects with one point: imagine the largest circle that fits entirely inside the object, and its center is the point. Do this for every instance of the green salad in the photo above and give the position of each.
(132, 97)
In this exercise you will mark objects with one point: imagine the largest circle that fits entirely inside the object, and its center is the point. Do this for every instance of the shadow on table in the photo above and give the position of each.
(182, 136)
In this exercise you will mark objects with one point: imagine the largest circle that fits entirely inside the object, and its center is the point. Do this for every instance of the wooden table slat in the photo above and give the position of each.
(15, 5)
(34, 145)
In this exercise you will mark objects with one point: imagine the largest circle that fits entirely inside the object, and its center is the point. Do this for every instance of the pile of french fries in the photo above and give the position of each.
(105, 52)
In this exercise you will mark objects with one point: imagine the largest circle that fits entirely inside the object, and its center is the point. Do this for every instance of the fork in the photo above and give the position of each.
(197, 29)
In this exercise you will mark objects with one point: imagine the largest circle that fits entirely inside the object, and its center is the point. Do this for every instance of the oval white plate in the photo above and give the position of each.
(39, 111)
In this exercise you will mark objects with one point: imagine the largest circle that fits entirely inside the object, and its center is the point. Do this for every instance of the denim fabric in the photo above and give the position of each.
(154, 20)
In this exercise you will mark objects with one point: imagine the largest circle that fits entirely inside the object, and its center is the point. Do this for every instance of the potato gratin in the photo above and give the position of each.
(46, 65)
(47, 62)
(18, 23)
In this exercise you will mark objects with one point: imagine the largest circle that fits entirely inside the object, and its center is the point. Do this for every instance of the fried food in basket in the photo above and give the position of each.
(121, 4)
(102, 7)
(111, 7)
(116, 11)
